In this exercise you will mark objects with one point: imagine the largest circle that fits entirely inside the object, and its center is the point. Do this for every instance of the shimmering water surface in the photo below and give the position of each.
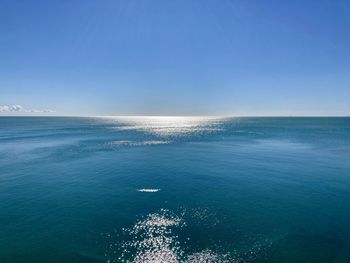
(174, 189)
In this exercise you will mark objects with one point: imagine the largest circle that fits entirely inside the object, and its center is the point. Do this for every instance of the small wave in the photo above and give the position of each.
(148, 190)
(208, 256)
(137, 143)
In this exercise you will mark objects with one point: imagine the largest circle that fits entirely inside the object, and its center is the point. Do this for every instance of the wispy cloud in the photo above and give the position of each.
(21, 109)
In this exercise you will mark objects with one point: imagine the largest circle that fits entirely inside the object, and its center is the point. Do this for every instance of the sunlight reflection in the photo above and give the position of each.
(168, 126)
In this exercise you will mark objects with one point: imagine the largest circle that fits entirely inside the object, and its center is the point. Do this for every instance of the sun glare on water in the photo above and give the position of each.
(167, 125)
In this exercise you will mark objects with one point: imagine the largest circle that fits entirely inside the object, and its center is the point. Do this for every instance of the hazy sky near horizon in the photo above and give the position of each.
(183, 57)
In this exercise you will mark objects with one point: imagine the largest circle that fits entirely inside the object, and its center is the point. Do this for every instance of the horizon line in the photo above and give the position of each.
(183, 116)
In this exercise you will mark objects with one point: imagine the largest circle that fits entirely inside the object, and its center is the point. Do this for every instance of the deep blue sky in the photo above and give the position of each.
(167, 57)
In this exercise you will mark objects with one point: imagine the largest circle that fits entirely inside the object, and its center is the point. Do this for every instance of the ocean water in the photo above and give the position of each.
(174, 189)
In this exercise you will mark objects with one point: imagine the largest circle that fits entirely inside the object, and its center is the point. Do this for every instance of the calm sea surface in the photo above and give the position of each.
(158, 189)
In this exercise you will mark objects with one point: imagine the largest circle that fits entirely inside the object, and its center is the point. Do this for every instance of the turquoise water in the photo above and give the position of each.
(174, 189)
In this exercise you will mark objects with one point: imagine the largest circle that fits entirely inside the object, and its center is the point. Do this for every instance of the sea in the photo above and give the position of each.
(175, 189)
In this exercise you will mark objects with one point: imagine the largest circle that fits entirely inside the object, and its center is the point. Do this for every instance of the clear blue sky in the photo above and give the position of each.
(183, 57)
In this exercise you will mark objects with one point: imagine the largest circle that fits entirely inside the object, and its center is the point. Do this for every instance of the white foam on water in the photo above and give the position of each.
(148, 190)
